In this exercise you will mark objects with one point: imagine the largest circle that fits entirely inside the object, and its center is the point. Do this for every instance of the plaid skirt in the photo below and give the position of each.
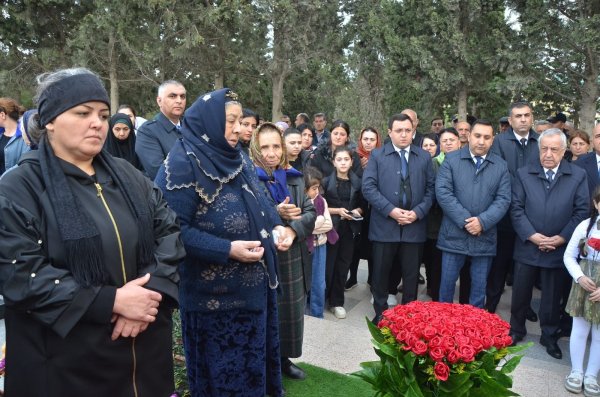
(579, 304)
(291, 301)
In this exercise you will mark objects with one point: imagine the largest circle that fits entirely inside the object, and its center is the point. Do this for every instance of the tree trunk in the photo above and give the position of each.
(277, 80)
(589, 96)
(587, 113)
(462, 103)
(219, 80)
(112, 73)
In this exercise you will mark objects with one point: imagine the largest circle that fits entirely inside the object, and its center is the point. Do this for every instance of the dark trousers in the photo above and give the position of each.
(399, 256)
(356, 259)
(464, 288)
(549, 313)
(500, 267)
(432, 258)
(339, 256)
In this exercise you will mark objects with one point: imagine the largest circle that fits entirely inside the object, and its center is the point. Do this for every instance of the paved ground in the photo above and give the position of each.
(341, 345)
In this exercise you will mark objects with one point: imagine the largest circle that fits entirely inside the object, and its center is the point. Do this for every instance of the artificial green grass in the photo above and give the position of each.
(322, 382)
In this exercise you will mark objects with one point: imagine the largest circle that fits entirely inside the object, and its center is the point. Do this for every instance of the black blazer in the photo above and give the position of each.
(590, 165)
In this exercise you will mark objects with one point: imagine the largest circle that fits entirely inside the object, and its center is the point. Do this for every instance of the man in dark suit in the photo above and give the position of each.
(591, 161)
(399, 184)
(155, 138)
(321, 135)
(517, 146)
(550, 198)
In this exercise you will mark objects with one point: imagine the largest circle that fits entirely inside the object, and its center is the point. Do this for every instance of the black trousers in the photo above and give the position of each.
(339, 256)
(549, 313)
(501, 265)
(402, 257)
(432, 258)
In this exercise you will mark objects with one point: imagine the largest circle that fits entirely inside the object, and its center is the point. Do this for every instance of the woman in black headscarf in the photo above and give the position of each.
(88, 255)
(229, 277)
(120, 141)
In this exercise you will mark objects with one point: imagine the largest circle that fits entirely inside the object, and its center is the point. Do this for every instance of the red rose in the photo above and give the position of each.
(467, 353)
(453, 356)
(447, 343)
(594, 243)
(441, 371)
(419, 348)
(429, 332)
(437, 354)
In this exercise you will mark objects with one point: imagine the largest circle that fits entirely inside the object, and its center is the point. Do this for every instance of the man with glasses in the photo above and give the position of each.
(398, 182)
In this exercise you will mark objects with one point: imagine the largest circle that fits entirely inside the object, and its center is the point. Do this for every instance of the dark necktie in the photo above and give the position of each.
(523, 142)
(550, 175)
(478, 161)
(403, 164)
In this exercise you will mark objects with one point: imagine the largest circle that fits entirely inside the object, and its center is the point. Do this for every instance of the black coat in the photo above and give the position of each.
(58, 332)
(589, 163)
(333, 200)
(154, 141)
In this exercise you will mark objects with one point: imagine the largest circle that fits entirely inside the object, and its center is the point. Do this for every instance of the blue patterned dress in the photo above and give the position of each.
(228, 311)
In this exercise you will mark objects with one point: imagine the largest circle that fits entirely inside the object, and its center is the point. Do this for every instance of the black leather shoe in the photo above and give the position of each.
(350, 284)
(531, 315)
(291, 370)
(551, 348)
(563, 333)
(516, 338)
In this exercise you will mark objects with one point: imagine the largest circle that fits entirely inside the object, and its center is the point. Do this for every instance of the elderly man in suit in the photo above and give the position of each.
(550, 198)
(473, 189)
(399, 184)
(591, 162)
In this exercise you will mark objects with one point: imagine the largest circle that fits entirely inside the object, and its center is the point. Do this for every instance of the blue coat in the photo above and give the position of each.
(463, 194)
(154, 141)
(550, 210)
(381, 188)
(590, 165)
(13, 150)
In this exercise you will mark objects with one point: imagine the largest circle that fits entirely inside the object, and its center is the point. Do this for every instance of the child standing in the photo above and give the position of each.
(342, 189)
(322, 234)
(582, 259)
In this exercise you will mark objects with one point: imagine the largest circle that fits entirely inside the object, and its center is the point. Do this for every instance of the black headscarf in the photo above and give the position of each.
(125, 148)
(80, 236)
(203, 159)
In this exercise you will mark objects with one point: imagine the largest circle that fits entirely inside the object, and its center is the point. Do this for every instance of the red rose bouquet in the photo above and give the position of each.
(441, 349)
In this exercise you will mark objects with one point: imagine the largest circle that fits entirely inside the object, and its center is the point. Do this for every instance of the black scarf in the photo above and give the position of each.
(125, 148)
(81, 239)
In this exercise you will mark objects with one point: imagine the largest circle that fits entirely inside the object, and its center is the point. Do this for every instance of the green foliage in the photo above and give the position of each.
(359, 60)
(181, 383)
(401, 373)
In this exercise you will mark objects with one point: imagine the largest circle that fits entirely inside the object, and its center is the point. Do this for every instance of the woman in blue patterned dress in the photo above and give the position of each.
(229, 277)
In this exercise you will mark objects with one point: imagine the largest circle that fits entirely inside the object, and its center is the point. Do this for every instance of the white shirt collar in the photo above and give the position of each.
(519, 137)
(397, 149)
(474, 159)
(555, 170)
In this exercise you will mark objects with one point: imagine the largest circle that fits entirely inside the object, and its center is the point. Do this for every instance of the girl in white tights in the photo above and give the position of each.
(582, 259)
